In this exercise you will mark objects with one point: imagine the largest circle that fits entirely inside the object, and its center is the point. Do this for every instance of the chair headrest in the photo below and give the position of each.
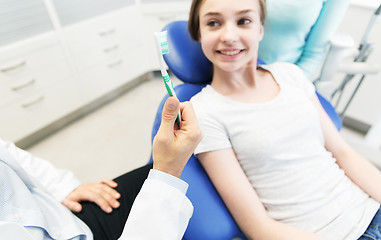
(185, 58)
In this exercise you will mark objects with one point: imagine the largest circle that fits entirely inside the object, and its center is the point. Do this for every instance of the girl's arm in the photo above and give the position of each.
(356, 167)
(242, 201)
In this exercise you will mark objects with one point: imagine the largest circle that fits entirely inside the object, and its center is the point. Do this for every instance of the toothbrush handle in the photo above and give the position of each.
(171, 93)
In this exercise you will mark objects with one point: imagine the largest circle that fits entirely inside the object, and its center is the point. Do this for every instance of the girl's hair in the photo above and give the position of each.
(194, 17)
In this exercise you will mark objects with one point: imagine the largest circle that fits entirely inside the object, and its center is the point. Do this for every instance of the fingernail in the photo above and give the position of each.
(109, 209)
(172, 105)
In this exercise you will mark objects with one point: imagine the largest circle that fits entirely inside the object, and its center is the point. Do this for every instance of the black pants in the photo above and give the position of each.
(109, 226)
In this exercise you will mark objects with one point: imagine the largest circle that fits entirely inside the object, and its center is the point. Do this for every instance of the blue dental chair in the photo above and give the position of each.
(211, 220)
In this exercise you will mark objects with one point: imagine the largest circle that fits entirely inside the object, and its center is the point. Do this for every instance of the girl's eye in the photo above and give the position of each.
(213, 23)
(244, 21)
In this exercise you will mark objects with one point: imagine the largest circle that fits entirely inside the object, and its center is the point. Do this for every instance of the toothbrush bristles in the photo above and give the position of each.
(163, 42)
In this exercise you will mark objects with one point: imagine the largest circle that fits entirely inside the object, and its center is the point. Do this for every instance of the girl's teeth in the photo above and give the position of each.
(230, 53)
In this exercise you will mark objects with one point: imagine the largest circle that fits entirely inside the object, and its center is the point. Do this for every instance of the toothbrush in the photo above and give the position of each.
(162, 47)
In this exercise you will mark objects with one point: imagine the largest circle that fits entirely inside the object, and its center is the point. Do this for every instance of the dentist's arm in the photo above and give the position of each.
(161, 210)
(58, 182)
(330, 17)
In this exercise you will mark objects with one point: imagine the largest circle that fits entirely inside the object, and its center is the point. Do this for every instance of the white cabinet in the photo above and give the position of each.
(110, 74)
(36, 86)
(47, 73)
(57, 57)
(107, 51)
(29, 66)
(35, 111)
(103, 38)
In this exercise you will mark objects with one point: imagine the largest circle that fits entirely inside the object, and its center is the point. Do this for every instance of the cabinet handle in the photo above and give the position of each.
(33, 101)
(107, 32)
(109, 49)
(116, 63)
(166, 18)
(24, 85)
(13, 66)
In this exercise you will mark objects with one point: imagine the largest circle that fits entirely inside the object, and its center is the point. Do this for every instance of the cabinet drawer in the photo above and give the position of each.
(103, 78)
(88, 40)
(109, 75)
(33, 112)
(34, 54)
(104, 37)
(13, 89)
(30, 66)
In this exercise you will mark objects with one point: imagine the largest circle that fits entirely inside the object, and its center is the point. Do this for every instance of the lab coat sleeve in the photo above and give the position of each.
(330, 17)
(58, 182)
(161, 211)
(15, 231)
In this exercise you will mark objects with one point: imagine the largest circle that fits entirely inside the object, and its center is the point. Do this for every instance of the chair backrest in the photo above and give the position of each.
(186, 59)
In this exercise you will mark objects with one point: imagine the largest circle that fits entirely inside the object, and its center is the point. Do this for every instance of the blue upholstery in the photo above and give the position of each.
(186, 59)
(211, 220)
(330, 110)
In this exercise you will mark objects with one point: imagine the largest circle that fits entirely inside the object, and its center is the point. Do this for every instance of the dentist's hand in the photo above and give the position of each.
(172, 146)
(102, 193)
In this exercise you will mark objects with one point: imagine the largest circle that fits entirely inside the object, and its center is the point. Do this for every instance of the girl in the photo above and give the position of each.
(271, 151)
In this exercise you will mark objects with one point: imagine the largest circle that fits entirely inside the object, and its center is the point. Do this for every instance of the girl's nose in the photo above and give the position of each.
(229, 33)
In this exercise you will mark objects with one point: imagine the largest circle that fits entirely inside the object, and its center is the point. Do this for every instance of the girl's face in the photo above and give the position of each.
(230, 32)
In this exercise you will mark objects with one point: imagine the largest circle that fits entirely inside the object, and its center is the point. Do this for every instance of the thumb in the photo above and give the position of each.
(170, 111)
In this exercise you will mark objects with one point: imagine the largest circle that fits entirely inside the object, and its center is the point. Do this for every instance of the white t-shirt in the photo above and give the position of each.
(280, 146)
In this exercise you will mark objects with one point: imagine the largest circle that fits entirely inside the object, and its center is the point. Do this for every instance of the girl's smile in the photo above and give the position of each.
(230, 54)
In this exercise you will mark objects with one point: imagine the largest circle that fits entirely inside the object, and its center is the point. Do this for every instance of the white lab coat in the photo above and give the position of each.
(160, 211)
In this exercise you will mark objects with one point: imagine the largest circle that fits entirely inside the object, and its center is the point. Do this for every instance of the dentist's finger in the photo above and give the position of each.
(170, 111)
